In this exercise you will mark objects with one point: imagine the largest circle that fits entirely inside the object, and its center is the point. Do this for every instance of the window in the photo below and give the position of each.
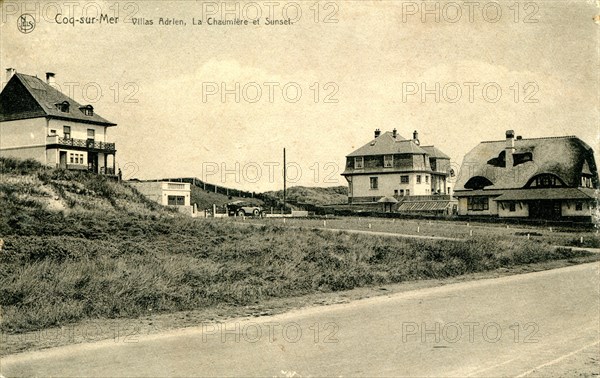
(478, 203)
(408, 192)
(388, 161)
(52, 132)
(426, 179)
(176, 200)
(512, 207)
(359, 162)
(418, 179)
(67, 132)
(586, 182)
(404, 179)
(63, 106)
(87, 110)
(522, 158)
(91, 134)
(401, 192)
(374, 182)
(71, 157)
(395, 192)
(545, 181)
(579, 206)
(477, 182)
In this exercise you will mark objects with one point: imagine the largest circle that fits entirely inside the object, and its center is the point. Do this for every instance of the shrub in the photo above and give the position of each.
(19, 166)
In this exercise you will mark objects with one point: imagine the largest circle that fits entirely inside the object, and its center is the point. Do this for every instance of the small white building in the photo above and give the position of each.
(175, 194)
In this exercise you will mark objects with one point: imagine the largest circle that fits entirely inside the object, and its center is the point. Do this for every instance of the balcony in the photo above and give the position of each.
(87, 144)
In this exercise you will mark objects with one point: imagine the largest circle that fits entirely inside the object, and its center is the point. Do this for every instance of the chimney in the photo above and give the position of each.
(394, 133)
(50, 78)
(377, 133)
(510, 148)
(416, 137)
(10, 72)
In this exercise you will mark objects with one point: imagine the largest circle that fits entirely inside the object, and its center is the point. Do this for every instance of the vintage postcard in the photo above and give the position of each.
(305, 188)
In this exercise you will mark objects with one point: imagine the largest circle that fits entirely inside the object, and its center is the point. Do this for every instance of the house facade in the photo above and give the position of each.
(392, 166)
(37, 121)
(549, 178)
(174, 194)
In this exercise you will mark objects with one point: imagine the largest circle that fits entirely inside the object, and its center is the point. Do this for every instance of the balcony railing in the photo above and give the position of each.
(82, 143)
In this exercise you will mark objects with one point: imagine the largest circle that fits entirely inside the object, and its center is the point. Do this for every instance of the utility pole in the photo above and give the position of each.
(284, 179)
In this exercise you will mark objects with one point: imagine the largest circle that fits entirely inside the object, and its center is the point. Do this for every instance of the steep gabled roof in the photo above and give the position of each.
(29, 97)
(386, 144)
(561, 156)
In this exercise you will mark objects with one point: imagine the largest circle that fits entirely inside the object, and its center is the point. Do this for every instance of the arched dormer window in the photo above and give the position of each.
(545, 180)
(63, 106)
(499, 161)
(88, 110)
(478, 182)
(521, 158)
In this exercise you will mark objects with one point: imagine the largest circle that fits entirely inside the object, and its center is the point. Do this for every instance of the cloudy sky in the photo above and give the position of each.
(319, 89)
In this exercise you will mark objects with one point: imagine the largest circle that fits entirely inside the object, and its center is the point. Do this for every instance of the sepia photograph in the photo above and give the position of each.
(303, 188)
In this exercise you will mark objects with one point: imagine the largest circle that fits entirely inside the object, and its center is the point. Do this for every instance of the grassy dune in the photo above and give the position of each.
(105, 252)
(142, 267)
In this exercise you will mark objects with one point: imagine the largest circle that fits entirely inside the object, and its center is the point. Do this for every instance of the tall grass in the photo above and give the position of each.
(113, 255)
(138, 266)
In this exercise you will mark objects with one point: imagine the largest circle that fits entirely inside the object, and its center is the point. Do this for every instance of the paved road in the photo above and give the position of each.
(507, 326)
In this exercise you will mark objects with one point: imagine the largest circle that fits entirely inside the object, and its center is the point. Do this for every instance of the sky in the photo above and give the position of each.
(458, 73)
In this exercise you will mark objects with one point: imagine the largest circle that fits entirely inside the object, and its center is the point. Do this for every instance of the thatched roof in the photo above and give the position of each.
(566, 157)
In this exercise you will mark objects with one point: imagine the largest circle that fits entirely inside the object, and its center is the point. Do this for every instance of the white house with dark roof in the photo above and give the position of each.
(541, 178)
(37, 121)
(392, 166)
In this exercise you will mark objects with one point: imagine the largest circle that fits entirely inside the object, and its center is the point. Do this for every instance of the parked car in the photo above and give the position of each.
(242, 208)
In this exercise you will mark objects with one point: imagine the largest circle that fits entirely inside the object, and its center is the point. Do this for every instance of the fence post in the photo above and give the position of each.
(214, 210)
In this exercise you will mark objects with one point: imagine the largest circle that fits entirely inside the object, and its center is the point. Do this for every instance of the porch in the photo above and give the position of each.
(82, 154)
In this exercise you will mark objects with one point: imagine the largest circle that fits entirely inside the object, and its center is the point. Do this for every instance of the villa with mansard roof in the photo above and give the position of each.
(540, 178)
(391, 166)
(38, 121)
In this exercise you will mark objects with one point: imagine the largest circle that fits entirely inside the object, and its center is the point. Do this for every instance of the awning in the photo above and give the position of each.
(424, 206)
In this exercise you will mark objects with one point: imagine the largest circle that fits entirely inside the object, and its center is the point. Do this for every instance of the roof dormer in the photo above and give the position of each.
(88, 110)
(63, 106)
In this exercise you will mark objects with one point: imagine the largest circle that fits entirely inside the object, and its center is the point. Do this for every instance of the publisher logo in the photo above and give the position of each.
(26, 23)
